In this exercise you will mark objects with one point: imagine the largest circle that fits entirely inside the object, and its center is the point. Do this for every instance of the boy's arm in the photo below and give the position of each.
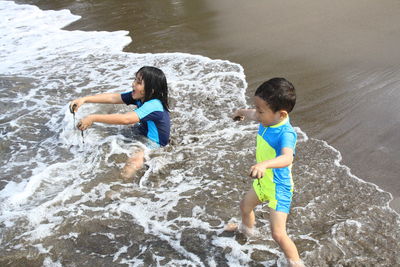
(126, 118)
(242, 114)
(106, 98)
(284, 160)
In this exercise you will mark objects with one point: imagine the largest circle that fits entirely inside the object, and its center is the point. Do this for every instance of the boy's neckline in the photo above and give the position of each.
(285, 120)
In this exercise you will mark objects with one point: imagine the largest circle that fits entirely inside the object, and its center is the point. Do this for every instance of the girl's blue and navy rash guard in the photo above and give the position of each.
(154, 119)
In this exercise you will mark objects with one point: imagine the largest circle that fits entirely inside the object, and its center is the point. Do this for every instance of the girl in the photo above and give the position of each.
(150, 95)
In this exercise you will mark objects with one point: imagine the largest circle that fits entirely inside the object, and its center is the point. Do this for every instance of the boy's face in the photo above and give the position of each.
(265, 115)
(138, 88)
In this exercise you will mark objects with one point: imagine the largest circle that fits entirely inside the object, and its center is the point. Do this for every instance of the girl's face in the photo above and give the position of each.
(138, 88)
(265, 115)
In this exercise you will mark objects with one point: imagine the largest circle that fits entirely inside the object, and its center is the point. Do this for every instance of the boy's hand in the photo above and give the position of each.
(237, 116)
(84, 123)
(258, 170)
(75, 104)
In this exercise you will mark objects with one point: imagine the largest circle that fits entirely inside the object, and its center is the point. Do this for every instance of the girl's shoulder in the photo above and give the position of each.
(154, 104)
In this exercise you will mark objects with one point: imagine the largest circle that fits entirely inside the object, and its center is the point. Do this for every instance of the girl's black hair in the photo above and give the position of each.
(155, 84)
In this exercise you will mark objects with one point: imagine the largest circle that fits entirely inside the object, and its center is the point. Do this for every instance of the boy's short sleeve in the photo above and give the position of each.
(288, 139)
(128, 99)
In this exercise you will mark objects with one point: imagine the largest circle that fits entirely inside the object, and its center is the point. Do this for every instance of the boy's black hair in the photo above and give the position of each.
(279, 94)
(155, 84)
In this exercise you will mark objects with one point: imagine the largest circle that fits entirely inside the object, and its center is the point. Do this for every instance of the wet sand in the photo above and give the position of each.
(342, 57)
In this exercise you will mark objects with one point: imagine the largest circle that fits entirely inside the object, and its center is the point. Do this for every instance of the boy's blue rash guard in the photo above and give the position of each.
(154, 119)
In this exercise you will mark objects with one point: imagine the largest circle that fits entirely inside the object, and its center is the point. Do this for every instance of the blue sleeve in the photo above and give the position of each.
(288, 139)
(127, 98)
(150, 110)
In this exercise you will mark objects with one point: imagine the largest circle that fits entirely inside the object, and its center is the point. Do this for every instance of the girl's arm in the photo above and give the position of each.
(106, 98)
(242, 114)
(126, 118)
(284, 160)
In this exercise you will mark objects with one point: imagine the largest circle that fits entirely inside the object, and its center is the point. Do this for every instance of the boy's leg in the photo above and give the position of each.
(133, 164)
(278, 230)
(247, 205)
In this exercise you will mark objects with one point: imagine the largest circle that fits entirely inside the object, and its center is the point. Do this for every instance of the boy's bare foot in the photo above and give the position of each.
(298, 263)
(231, 227)
(249, 232)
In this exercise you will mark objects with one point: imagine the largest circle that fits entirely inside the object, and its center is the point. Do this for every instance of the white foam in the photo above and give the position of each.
(301, 136)
(34, 36)
(48, 262)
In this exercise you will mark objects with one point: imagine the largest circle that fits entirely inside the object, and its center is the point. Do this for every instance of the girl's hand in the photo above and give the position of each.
(84, 123)
(258, 170)
(75, 104)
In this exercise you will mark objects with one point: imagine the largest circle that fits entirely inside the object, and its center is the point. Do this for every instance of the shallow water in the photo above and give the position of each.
(55, 207)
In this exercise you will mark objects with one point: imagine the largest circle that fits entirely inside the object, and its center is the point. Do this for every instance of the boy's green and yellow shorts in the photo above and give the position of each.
(279, 196)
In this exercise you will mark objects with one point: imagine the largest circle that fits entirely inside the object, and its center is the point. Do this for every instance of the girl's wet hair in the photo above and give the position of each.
(278, 93)
(155, 84)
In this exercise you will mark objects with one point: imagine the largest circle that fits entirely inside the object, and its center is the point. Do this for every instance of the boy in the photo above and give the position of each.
(276, 140)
